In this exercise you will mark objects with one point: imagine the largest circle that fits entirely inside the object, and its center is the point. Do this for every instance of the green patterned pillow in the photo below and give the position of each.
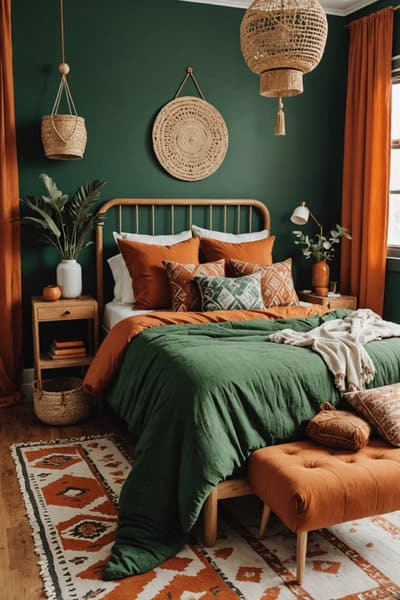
(228, 293)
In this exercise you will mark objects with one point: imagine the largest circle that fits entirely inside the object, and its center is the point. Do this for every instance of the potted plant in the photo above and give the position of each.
(64, 222)
(322, 250)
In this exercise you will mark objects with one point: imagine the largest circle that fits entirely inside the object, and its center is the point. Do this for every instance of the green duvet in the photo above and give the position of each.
(199, 399)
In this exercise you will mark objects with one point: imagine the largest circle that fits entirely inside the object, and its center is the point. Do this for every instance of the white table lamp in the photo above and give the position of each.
(301, 214)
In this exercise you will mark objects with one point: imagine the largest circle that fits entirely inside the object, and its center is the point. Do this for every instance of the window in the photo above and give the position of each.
(394, 200)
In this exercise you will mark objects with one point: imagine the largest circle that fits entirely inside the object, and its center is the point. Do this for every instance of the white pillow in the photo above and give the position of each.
(230, 237)
(123, 286)
(158, 240)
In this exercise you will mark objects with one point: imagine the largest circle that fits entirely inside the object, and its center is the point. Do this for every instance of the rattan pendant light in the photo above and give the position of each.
(64, 135)
(280, 41)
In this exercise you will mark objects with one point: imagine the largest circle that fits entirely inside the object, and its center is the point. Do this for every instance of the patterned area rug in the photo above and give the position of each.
(71, 489)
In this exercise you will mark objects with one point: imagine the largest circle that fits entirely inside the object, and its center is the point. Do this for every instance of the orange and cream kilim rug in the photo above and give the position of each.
(71, 489)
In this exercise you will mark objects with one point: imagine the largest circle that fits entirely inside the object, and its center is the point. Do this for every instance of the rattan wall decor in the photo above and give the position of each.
(64, 136)
(280, 41)
(190, 136)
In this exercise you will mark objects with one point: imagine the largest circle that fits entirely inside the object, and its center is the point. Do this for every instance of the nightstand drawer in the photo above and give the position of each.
(60, 313)
(350, 303)
(333, 303)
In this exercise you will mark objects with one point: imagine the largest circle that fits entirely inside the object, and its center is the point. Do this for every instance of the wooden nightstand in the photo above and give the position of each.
(82, 308)
(333, 303)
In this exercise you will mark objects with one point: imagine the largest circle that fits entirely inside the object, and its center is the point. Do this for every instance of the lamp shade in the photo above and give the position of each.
(281, 40)
(300, 215)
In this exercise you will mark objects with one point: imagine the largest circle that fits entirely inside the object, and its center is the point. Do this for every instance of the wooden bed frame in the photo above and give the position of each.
(231, 488)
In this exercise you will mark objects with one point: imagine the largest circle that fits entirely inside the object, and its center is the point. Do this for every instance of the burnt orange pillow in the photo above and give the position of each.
(258, 252)
(338, 429)
(145, 266)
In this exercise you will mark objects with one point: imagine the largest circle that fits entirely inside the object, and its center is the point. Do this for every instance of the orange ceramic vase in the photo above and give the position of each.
(320, 278)
(51, 293)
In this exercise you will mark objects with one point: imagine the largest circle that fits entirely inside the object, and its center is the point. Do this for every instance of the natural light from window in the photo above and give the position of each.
(394, 204)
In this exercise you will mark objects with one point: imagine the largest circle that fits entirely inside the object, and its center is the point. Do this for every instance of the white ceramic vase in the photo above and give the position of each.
(69, 278)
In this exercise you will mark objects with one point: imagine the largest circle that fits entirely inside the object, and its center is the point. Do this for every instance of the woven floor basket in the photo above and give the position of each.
(61, 401)
(64, 136)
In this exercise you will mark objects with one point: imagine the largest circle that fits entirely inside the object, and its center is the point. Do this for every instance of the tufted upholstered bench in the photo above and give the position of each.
(309, 487)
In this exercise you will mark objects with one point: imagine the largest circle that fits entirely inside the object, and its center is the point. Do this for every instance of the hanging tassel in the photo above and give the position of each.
(280, 128)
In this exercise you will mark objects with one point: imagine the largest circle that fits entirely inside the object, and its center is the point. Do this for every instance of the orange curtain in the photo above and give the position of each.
(10, 259)
(367, 158)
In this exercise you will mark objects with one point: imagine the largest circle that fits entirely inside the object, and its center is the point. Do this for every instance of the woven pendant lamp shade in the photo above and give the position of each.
(280, 41)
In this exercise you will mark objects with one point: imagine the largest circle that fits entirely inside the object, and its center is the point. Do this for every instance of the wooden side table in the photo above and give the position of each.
(329, 301)
(82, 308)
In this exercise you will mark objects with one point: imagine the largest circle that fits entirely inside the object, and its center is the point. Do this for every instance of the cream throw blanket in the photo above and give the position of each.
(341, 342)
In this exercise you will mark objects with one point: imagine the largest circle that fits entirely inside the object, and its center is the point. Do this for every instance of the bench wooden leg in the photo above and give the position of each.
(264, 521)
(211, 518)
(301, 555)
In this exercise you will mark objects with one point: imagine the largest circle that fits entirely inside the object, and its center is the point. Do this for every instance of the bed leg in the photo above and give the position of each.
(210, 518)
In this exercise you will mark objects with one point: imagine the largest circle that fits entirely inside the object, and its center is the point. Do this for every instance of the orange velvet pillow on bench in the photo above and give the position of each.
(258, 252)
(149, 276)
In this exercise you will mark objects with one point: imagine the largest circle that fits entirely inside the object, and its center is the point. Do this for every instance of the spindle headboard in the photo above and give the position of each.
(151, 204)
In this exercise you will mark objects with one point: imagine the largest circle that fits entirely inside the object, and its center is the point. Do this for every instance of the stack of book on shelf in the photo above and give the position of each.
(62, 349)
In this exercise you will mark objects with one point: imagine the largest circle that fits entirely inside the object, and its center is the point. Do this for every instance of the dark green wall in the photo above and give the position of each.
(127, 59)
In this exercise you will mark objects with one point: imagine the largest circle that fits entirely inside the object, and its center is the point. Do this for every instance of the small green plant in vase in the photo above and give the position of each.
(321, 249)
(65, 222)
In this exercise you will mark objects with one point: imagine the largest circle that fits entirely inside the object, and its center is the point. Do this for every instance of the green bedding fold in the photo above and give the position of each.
(199, 399)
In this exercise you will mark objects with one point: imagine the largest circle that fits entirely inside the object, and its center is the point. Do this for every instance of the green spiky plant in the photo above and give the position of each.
(61, 221)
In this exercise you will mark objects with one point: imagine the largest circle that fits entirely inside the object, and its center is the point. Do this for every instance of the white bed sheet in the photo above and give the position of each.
(114, 312)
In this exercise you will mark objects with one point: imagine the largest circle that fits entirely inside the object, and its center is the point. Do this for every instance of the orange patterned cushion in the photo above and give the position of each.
(381, 408)
(276, 281)
(185, 295)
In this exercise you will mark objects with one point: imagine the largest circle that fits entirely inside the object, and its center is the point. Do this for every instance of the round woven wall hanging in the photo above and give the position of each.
(190, 136)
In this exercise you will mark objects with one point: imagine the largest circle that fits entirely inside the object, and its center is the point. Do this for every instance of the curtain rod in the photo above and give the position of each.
(397, 7)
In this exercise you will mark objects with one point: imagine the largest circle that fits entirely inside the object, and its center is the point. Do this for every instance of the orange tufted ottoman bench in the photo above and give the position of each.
(310, 487)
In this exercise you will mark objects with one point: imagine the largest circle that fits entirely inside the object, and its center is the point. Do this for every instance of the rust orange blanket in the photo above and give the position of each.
(110, 354)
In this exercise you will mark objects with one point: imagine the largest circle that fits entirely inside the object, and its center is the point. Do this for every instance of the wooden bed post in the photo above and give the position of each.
(211, 518)
(99, 268)
(231, 488)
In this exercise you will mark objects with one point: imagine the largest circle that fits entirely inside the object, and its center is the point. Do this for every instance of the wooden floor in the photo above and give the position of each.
(19, 572)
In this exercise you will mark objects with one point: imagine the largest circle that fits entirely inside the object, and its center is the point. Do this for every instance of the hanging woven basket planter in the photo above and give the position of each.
(64, 136)
(281, 40)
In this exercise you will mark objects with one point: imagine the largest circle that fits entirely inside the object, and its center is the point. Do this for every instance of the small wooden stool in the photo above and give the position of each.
(311, 487)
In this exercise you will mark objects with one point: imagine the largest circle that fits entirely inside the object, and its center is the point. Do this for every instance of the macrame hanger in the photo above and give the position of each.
(64, 69)
(189, 73)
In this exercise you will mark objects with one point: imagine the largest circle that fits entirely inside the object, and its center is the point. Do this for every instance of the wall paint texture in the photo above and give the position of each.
(127, 59)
